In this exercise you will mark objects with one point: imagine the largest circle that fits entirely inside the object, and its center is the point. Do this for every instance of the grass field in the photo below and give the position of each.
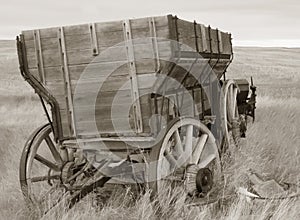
(272, 147)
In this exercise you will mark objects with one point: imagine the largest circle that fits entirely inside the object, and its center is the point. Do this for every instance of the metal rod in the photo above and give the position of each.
(196, 36)
(39, 88)
(46, 111)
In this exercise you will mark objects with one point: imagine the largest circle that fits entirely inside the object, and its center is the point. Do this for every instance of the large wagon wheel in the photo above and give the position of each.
(230, 112)
(46, 172)
(187, 157)
(40, 170)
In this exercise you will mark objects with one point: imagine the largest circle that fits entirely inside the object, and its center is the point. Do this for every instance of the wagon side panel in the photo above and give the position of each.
(59, 57)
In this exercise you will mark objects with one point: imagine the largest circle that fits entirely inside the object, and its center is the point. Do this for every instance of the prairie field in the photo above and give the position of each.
(271, 149)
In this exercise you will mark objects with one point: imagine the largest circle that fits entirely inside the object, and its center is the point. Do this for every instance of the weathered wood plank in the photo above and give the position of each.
(106, 126)
(110, 26)
(214, 41)
(78, 37)
(186, 33)
(94, 70)
(104, 109)
(227, 46)
(110, 84)
(104, 40)
(105, 98)
(65, 123)
(76, 57)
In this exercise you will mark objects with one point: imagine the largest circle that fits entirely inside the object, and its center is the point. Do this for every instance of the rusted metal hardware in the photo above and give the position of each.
(252, 101)
(246, 104)
(94, 41)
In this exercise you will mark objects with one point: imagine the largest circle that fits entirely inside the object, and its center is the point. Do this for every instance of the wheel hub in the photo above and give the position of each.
(198, 180)
(204, 180)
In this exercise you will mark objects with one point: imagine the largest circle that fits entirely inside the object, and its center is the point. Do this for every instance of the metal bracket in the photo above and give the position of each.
(94, 41)
(196, 36)
(39, 55)
(133, 77)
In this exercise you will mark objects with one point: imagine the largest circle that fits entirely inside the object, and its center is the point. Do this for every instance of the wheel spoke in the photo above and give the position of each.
(229, 126)
(229, 100)
(44, 178)
(53, 150)
(207, 161)
(231, 90)
(178, 145)
(189, 141)
(171, 159)
(47, 162)
(199, 148)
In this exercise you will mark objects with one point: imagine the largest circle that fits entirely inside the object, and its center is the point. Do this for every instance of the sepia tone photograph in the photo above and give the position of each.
(150, 109)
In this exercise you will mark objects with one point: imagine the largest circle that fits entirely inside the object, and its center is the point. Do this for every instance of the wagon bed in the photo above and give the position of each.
(58, 57)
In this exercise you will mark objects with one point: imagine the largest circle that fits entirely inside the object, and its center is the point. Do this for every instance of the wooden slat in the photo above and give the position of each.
(110, 26)
(220, 40)
(104, 111)
(214, 41)
(204, 43)
(226, 39)
(76, 57)
(65, 123)
(111, 84)
(137, 114)
(53, 74)
(105, 98)
(39, 55)
(105, 39)
(186, 33)
(106, 126)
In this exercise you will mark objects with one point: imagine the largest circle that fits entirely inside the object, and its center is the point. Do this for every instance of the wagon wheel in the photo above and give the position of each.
(187, 158)
(44, 172)
(230, 112)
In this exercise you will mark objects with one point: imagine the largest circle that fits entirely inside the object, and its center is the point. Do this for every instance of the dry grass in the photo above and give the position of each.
(271, 147)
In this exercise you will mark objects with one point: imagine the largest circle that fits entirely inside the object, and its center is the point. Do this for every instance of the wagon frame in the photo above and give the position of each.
(190, 136)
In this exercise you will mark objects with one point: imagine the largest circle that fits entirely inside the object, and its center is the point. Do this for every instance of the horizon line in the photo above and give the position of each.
(272, 43)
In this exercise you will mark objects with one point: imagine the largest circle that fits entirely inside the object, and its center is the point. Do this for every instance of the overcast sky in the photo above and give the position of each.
(252, 22)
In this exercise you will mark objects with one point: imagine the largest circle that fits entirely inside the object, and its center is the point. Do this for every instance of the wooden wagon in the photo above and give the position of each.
(134, 101)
